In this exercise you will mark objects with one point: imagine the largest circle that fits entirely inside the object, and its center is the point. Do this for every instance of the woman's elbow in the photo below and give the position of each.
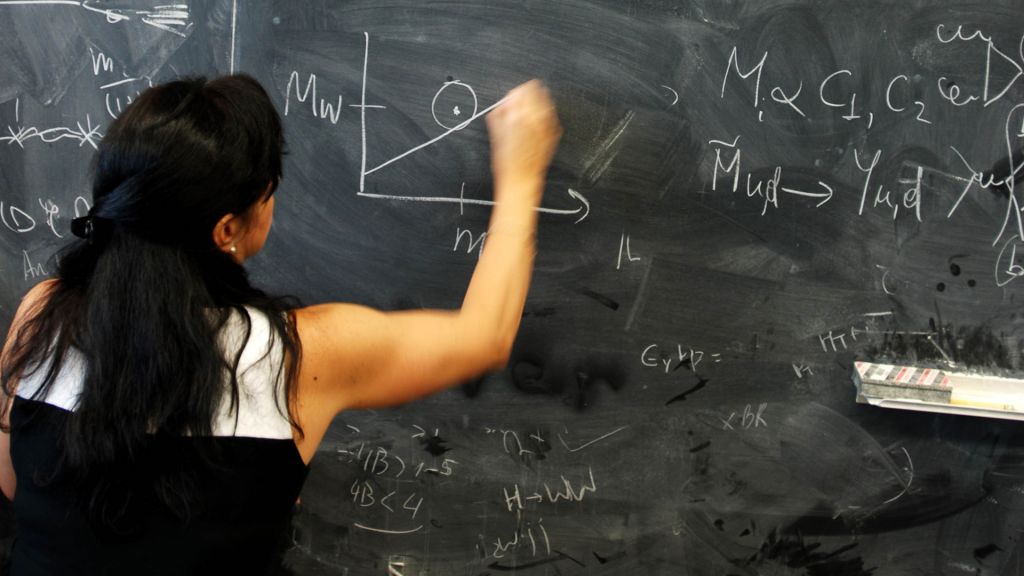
(485, 348)
(487, 354)
(500, 352)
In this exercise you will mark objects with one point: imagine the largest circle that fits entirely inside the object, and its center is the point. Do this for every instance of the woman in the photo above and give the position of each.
(161, 411)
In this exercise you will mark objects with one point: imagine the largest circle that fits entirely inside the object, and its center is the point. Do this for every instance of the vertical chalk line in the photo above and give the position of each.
(362, 112)
(234, 19)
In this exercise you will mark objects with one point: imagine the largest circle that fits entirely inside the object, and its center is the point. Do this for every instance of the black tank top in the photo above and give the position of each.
(239, 522)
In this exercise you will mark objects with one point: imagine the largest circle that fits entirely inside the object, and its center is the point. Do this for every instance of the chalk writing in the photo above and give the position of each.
(590, 442)
(234, 26)
(852, 113)
(320, 107)
(1008, 267)
(386, 531)
(17, 220)
(524, 533)
(992, 54)
(456, 111)
(100, 61)
(675, 95)
(471, 242)
(802, 370)
(734, 66)
(768, 189)
(523, 447)
(749, 418)
(379, 461)
(838, 119)
(910, 198)
(688, 357)
(836, 342)
(979, 177)
(950, 90)
(583, 205)
(365, 495)
(173, 18)
(514, 499)
(81, 206)
(87, 134)
(51, 210)
(624, 249)
(131, 87)
(987, 180)
(395, 565)
(902, 80)
(32, 270)
(781, 97)
(908, 482)
(127, 87)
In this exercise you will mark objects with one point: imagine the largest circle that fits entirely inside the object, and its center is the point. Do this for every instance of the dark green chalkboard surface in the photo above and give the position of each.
(748, 197)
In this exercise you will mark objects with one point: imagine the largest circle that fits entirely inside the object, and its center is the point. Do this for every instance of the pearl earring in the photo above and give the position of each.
(234, 249)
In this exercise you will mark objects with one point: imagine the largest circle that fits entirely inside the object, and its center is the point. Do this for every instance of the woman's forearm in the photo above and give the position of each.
(497, 291)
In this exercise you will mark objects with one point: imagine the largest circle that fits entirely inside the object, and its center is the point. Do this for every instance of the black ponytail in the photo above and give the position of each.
(145, 293)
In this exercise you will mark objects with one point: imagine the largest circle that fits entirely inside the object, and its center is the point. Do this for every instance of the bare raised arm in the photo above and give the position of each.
(357, 357)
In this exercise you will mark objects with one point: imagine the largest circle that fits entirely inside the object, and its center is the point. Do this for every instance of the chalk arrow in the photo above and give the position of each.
(988, 72)
(583, 209)
(827, 195)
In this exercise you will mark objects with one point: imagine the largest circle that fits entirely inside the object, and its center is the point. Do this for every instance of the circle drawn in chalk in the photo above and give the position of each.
(456, 111)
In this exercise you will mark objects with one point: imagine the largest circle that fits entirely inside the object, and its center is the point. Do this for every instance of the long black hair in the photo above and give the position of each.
(145, 296)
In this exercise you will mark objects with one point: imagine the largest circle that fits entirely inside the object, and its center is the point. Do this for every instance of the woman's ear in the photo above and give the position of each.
(227, 233)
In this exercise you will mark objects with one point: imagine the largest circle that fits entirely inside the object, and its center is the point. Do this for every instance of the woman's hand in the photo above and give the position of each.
(524, 133)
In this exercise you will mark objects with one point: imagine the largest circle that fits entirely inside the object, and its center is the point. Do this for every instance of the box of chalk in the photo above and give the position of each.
(903, 382)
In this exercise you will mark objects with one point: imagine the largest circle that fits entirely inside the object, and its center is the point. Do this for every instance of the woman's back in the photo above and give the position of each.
(171, 432)
(240, 506)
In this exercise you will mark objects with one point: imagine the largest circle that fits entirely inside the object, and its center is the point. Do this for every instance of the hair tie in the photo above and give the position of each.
(85, 227)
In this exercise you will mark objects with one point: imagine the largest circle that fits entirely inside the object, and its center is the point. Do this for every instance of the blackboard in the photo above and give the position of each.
(748, 197)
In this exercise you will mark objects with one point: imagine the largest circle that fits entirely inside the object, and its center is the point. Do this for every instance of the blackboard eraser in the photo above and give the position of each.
(906, 382)
(934, 390)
